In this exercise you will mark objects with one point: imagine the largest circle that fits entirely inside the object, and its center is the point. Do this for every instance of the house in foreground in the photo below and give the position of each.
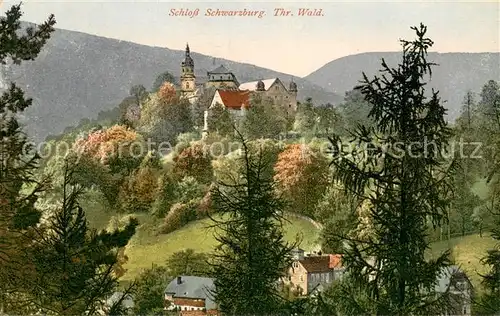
(455, 282)
(191, 295)
(313, 272)
(127, 303)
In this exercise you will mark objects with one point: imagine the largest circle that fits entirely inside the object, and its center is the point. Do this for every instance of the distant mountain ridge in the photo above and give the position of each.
(455, 74)
(77, 75)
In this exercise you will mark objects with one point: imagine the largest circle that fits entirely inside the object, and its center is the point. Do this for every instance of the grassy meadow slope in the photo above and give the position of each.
(467, 252)
(146, 249)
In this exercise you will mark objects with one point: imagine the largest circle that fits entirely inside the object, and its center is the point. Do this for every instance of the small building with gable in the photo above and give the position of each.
(234, 101)
(313, 272)
(191, 295)
(275, 90)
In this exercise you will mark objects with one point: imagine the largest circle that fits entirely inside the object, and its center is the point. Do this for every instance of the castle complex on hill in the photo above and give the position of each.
(229, 92)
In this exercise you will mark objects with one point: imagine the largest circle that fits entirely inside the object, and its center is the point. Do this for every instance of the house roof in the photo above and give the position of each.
(197, 302)
(316, 264)
(446, 275)
(252, 85)
(220, 70)
(234, 99)
(335, 261)
(193, 287)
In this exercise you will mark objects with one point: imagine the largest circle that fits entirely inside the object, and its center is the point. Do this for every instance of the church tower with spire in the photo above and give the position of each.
(188, 79)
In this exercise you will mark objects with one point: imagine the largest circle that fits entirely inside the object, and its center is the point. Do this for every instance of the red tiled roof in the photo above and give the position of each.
(189, 302)
(234, 99)
(316, 263)
(335, 261)
(192, 313)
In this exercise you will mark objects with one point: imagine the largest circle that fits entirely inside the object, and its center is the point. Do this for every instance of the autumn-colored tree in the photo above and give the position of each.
(302, 177)
(194, 161)
(179, 215)
(106, 157)
(118, 147)
(137, 194)
(167, 92)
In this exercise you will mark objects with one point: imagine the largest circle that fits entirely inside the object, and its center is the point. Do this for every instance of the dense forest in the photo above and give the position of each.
(383, 174)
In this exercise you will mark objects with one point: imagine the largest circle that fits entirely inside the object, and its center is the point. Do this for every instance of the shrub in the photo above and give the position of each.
(195, 162)
(180, 214)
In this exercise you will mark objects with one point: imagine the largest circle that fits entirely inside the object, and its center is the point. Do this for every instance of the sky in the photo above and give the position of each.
(295, 44)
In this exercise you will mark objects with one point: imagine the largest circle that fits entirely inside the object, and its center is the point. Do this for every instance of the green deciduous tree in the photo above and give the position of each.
(252, 255)
(139, 92)
(220, 121)
(305, 118)
(463, 202)
(354, 111)
(161, 79)
(188, 262)
(328, 119)
(337, 211)
(405, 185)
(149, 296)
(264, 119)
(164, 116)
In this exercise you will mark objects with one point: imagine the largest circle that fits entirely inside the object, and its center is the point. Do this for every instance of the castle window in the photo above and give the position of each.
(187, 85)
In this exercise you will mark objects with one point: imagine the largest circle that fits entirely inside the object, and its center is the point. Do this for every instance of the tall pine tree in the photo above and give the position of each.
(490, 301)
(399, 171)
(252, 255)
(74, 265)
(18, 160)
(490, 103)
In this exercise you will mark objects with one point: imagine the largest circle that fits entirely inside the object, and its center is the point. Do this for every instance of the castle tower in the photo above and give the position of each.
(187, 73)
